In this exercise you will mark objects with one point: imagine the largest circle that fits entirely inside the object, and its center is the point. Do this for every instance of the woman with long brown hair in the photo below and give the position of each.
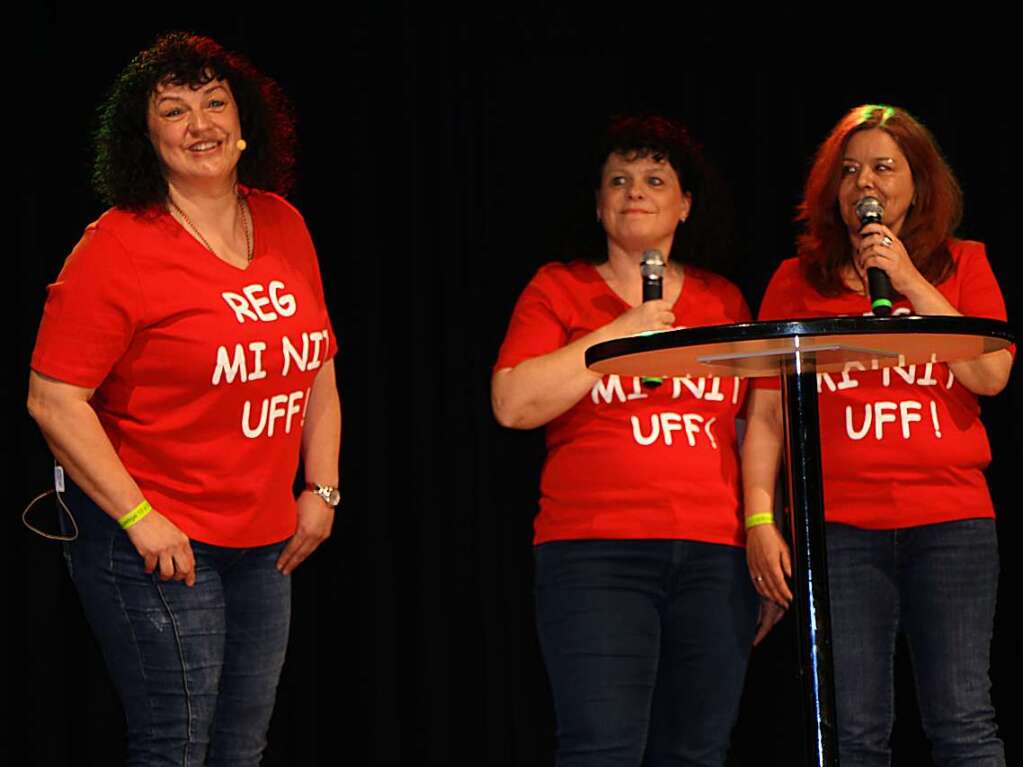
(910, 530)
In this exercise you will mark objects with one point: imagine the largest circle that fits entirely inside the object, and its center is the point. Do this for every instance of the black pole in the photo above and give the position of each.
(812, 601)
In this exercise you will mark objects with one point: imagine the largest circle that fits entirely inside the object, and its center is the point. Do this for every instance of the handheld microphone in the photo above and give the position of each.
(869, 210)
(652, 270)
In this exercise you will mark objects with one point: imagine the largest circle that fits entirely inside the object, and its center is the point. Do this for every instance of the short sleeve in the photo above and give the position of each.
(980, 295)
(775, 305)
(92, 312)
(736, 308)
(310, 265)
(293, 237)
(535, 328)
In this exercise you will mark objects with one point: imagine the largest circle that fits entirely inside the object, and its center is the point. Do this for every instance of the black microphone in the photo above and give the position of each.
(869, 210)
(652, 270)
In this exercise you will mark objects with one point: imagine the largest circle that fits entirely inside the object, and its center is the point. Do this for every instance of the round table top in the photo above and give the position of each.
(828, 344)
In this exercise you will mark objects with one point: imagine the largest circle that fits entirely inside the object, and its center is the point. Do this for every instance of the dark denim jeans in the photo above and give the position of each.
(196, 668)
(936, 584)
(646, 643)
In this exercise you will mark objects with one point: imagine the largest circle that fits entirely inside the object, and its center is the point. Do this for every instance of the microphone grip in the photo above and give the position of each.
(880, 287)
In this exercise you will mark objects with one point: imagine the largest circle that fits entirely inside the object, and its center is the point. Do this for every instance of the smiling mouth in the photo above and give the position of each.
(203, 146)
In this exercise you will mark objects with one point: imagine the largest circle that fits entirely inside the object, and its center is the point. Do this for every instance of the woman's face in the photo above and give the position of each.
(640, 202)
(195, 132)
(874, 166)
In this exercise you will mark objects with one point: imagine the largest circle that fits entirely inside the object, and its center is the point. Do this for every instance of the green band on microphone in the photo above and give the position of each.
(881, 307)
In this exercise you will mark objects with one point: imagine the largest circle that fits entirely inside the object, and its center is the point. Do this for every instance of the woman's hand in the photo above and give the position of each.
(321, 444)
(315, 519)
(649, 315)
(985, 375)
(767, 556)
(161, 544)
(770, 614)
(81, 446)
(880, 248)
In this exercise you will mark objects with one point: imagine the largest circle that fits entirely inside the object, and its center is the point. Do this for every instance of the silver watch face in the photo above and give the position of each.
(330, 495)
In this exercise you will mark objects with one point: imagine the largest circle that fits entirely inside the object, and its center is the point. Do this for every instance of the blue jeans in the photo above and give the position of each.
(196, 668)
(936, 584)
(645, 643)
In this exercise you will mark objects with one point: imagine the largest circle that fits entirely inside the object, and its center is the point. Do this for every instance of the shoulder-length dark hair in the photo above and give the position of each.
(705, 237)
(127, 172)
(824, 247)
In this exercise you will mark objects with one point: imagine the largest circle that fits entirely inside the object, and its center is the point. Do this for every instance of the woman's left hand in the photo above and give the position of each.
(879, 247)
(315, 519)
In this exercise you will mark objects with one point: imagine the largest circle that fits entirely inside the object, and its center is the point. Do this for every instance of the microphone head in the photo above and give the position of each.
(652, 266)
(869, 210)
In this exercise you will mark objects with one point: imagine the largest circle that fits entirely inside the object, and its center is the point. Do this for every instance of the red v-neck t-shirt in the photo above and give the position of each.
(904, 446)
(201, 370)
(628, 461)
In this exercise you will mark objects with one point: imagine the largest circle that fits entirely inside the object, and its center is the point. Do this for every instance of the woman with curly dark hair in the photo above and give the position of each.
(183, 364)
(910, 530)
(644, 609)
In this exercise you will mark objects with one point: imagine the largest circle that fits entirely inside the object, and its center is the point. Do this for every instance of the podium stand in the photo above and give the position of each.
(797, 350)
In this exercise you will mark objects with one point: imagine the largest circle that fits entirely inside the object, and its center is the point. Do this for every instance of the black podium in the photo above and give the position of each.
(797, 350)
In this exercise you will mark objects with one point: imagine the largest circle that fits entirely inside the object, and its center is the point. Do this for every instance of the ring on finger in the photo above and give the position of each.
(886, 241)
(759, 579)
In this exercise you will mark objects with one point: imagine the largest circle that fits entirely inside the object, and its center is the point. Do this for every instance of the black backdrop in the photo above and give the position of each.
(441, 164)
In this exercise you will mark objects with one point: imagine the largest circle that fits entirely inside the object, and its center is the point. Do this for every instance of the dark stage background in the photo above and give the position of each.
(441, 165)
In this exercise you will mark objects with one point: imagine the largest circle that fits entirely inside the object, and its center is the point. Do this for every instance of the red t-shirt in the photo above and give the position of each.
(904, 446)
(202, 371)
(628, 461)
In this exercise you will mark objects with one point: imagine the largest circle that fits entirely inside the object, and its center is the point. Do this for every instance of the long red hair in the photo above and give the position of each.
(824, 247)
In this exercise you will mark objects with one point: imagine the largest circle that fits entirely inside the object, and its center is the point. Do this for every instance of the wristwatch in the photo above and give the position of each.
(330, 495)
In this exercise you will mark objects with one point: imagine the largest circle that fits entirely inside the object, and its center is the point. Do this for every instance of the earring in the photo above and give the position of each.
(240, 143)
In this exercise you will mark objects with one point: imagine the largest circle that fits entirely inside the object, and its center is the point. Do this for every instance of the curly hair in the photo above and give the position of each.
(126, 171)
(824, 247)
(704, 239)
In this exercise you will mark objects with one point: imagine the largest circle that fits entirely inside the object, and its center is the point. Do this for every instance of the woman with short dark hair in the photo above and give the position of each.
(644, 609)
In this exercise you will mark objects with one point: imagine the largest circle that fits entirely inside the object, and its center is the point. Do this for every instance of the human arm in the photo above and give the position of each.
(984, 375)
(767, 554)
(321, 446)
(78, 441)
(539, 389)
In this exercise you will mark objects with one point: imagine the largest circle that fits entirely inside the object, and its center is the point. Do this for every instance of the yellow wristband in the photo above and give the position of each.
(133, 516)
(755, 520)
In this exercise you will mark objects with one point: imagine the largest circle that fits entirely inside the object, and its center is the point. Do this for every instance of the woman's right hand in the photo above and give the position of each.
(770, 565)
(649, 315)
(82, 447)
(161, 544)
